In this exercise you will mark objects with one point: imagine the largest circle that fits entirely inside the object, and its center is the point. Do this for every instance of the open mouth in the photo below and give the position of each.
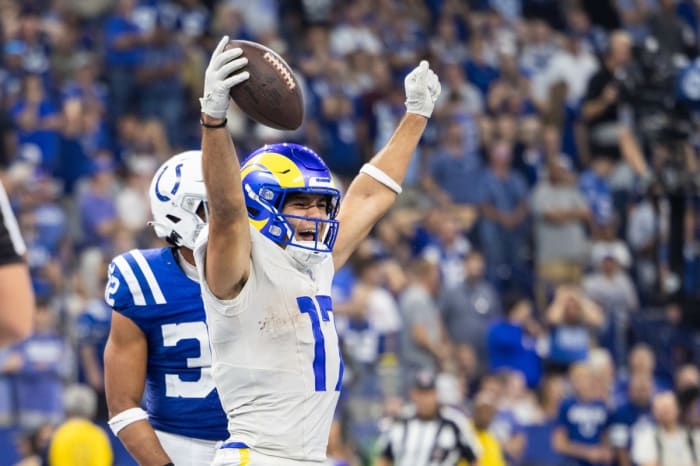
(307, 235)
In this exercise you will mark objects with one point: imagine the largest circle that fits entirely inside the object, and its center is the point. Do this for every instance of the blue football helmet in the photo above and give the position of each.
(273, 172)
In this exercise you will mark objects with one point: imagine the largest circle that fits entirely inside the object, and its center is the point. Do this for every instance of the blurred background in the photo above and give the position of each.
(546, 247)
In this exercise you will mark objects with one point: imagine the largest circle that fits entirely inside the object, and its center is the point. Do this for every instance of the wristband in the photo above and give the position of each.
(126, 418)
(169, 464)
(378, 174)
(206, 125)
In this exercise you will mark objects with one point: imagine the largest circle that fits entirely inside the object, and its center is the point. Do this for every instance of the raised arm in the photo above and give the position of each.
(228, 249)
(374, 190)
(126, 353)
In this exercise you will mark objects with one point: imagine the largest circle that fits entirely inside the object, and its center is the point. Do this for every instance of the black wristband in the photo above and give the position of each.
(220, 125)
(169, 464)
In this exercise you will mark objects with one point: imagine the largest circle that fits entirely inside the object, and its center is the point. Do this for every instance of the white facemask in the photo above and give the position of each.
(306, 257)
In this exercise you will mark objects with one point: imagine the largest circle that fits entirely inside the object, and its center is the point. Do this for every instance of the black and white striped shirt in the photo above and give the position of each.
(442, 441)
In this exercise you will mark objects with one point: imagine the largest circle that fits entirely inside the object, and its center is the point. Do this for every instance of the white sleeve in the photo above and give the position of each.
(227, 307)
(644, 446)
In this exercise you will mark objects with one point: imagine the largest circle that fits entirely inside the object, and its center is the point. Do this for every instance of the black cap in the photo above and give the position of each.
(424, 380)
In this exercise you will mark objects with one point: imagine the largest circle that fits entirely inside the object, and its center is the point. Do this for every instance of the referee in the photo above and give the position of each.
(16, 293)
(429, 434)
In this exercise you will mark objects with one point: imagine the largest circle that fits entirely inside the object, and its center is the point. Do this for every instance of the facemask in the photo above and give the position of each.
(306, 257)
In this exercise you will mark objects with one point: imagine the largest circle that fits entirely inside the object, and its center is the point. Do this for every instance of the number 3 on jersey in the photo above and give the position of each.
(174, 385)
(308, 306)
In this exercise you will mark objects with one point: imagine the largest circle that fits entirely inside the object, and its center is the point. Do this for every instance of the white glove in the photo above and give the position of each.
(422, 88)
(221, 75)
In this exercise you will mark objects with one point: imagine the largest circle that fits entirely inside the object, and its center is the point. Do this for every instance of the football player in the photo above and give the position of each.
(158, 338)
(266, 259)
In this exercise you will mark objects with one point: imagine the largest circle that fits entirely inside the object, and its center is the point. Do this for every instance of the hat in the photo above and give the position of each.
(424, 380)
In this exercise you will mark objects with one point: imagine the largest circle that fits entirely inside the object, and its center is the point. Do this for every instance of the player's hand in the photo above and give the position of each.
(223, 72)
(422, 88)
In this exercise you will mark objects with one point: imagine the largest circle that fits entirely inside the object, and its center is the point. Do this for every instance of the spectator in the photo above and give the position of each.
(33, 446)
(124, 54)
(36, 55)
(132, 200)
(92, 330)
(602, 99)
(641, 362)
(160, 83)
(98, 211)
(424, 340)
(670, 341)
(82, 137)
(78, 439)
(631, 417)
(37, 120)
(560, 213)
(607, 244)
(530, 157)
(337, 107)
(447, 46)
(374, 301)
(39, 365)
(456, 88)
(596, 189)
(448, 250)
(668, 442)
(538, 449)
(511, 92)
(612, 288)
(667, 28)
(505, 210)
(582, 422)
(516, 407)
(469, 307)
(687, 389)
(511, 341)
(454, 173)
(574, 64)
(538, 48)
(479, 71)
(13, 72)
(484, 411)
(572, 318)
(352, 34)
(648, 236)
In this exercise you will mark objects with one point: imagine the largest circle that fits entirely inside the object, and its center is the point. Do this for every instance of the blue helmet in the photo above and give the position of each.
(273, 172)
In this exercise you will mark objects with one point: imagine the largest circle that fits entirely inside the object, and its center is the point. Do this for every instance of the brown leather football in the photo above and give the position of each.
(271, 96)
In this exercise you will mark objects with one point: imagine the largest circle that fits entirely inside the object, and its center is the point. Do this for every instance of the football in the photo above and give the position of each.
(271, 96)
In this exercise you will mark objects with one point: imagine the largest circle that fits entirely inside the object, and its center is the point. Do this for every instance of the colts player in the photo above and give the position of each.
(158, 339)
(266, 261)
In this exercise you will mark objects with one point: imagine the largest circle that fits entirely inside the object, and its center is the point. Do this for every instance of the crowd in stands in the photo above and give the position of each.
(543, 261)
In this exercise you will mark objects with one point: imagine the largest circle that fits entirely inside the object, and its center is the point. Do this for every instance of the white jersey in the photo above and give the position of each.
(276, 359)
(187, 450)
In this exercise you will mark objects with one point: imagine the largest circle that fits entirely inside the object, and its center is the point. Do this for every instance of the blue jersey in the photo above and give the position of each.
(148, 287)
(626, 421)
(584, 421)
